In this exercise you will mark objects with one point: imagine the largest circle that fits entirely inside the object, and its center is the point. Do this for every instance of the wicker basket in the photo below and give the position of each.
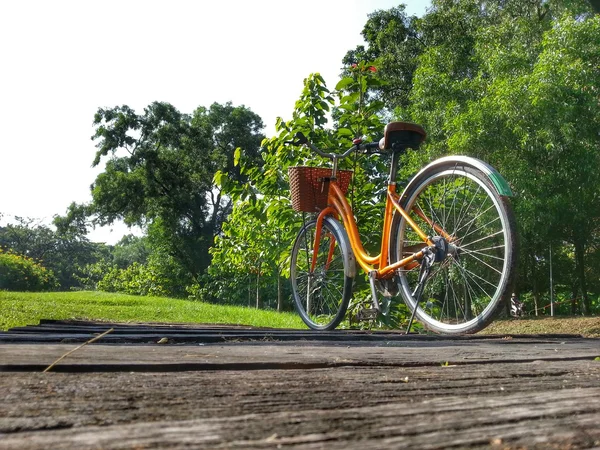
(309, 188)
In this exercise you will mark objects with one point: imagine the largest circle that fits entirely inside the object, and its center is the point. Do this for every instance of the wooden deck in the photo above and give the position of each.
(241, 388)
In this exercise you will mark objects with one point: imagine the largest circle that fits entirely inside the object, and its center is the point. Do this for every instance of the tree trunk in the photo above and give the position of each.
(257, 287)
(536, 295)
(574, 299)
(534, 283)
(249, 291)
(279, 293)
(580, 270)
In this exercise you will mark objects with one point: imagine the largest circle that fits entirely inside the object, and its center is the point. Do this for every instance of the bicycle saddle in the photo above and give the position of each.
(402, 135)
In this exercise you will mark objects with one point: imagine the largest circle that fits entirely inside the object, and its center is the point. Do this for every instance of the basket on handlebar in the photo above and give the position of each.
(309, 186)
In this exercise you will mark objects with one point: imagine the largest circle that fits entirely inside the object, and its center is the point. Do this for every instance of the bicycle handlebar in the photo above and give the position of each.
(302, 140)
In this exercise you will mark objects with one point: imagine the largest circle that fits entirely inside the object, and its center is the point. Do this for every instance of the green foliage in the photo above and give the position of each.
(256, 241)
(514, 84)
(64, 251)
(136, 279)
(393, 44)
(160, 276)
(20, 273)
(160, 169)
(131, 249)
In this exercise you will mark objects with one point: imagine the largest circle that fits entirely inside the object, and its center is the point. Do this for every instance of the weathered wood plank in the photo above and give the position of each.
(292, 355)
(398, 393)
(81, 331)
(418, 418)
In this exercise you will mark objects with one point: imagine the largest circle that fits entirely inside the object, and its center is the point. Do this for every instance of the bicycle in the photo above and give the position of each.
(448, 244)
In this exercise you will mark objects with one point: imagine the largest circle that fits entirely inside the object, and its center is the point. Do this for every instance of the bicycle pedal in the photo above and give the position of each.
(367, 314)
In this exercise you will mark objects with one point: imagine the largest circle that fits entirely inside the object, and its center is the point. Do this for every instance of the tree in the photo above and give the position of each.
(160, 170)
(65, 251)
(254, 248)
(393, 46)
(565, 103)
(515, 96)
(258, 236)
(131, 249)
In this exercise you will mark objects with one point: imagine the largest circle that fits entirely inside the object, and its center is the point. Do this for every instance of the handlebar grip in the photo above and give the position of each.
(371, 147)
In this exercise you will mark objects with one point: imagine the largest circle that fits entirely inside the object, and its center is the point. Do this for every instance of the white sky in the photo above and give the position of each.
(61, 60)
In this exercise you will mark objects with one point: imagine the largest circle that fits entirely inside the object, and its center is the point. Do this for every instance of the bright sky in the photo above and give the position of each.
(61, 60)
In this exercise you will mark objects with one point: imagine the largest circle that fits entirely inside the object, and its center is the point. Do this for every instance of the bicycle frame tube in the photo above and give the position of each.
(318, 229)
(419, 212)
(369, 263)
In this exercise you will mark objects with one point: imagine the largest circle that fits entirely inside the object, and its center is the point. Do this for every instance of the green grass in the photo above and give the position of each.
(27, 308)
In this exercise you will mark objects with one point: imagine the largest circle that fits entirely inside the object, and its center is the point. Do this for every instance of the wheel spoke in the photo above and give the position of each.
(474, 277)
(470, 222)
(321, 297)
(462, 291)
(481, 239)
(483, 262)
(480, 252)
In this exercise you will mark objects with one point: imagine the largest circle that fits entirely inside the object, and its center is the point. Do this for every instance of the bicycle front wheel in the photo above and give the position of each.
(321, 295)
(466, 289)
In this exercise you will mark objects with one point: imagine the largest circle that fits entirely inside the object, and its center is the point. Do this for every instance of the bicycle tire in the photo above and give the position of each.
(466, 290)
(322, 298)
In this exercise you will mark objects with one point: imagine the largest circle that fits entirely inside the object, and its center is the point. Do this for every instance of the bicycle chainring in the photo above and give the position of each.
(388, 287)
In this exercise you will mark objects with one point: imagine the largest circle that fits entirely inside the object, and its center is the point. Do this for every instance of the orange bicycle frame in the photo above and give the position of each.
(339, 207)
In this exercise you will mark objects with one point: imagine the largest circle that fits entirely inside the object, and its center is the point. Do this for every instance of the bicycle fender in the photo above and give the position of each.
(350, 263)
(497, 180)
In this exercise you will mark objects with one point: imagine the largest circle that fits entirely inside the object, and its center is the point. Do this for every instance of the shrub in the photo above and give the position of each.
(19, 273)
(161, 276)
(136, 279)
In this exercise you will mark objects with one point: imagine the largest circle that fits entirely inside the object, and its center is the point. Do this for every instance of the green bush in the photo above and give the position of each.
(136, 279)
(19, 273)
(161, 276)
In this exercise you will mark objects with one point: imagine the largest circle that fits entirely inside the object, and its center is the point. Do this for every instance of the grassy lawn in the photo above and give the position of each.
(27, 308)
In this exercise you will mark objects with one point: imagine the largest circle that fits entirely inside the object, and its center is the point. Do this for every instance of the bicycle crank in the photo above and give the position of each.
(371, 313)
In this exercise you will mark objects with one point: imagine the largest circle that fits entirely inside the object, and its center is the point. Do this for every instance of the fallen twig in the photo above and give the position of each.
(47, 369)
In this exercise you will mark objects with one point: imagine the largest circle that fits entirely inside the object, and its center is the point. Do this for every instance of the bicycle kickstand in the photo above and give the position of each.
(426, 263)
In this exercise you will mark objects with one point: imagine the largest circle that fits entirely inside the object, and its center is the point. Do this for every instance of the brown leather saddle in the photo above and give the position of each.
(402, 135)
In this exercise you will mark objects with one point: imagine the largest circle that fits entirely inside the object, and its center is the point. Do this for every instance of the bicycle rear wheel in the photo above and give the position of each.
(471, 284)
(321, 296)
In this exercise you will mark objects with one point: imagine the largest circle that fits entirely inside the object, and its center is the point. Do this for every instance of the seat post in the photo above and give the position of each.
(394, 164)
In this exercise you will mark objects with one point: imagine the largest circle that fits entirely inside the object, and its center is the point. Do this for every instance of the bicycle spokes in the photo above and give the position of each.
(459, 208)
(321, 289)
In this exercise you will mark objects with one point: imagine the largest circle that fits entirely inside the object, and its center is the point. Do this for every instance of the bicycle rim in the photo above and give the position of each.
(321, 297)
(465, 290)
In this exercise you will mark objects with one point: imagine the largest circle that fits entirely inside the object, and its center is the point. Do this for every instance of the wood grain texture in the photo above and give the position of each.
(498, 393)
